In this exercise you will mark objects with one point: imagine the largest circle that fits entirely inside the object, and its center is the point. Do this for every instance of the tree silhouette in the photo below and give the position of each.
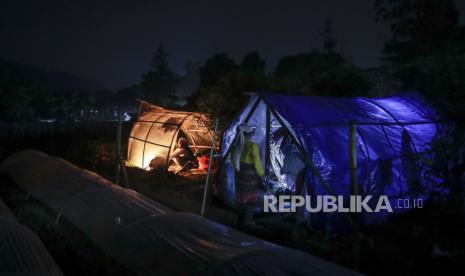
(329, 41)
(427, 53)
(216, 68)
(419, 27)
(319, 73)
(252, 62)
(159, 82)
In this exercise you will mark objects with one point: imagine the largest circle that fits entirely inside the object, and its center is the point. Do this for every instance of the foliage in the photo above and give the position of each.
(20, 101)
(319, 73)
(225, 99)
(225, 85)
(327, 35)
(220, 101)
(215, 69)
(253, 63)
(419, 27)
(159, 82)
(427, 53)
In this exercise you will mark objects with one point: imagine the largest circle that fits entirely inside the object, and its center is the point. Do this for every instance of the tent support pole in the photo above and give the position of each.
(225, 156)
(305, 158)
(267, 147)
(246, 120)
(118, 148)
(171, 143)
(210, 161)
(354, 187)
(302, 153)
(119, 157)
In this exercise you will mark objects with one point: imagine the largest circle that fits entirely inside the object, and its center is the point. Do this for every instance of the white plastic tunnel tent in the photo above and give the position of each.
(21, 250)
(155, 133)
(147, 237)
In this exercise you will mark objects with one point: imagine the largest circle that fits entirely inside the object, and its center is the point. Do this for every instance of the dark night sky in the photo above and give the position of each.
(112, 41)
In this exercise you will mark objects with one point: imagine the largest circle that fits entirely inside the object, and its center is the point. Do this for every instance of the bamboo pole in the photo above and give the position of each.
(267, 147)
(354, 188)
(120, 168)
(210, 161)
(305, 158)
(118, 148)
(246, 120)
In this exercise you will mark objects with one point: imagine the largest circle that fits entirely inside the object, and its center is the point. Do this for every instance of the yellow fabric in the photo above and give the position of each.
(251, 155)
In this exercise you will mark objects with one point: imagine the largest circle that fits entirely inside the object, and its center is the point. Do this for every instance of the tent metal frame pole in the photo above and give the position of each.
(267, 147)
(354, 190)
(395, 119)
(225, 156)
(338, 107)
(210, 161)
(302, 151)
(151, 143)
(145, 140)
(236, 116)
(119, 156)
(388, 138)
(304, 157)
(246, 120)
(400, 124)
(118, 148)
(172, 140)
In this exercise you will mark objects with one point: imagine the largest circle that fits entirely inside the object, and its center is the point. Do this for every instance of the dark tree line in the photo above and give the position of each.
(426, 53)
(225, 86)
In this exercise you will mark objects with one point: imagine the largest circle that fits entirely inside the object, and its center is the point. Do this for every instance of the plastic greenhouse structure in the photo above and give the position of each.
(145, 236)
(156, 130)
(350, 146)
(21, 250)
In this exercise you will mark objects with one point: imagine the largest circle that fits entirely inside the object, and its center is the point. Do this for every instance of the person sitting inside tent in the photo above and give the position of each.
(182, 156)
(245, 159)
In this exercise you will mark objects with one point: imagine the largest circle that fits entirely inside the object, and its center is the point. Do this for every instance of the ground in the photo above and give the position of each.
(427, 241)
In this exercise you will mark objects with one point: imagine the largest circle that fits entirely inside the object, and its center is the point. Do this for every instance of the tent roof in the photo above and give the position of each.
(315, 111)
(153, 113)
(384, 125)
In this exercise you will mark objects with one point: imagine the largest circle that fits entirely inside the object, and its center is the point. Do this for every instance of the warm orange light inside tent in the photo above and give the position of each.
(149, 156)
(156, 132)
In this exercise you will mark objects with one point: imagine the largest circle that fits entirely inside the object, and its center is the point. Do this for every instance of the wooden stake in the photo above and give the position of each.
(354, 187)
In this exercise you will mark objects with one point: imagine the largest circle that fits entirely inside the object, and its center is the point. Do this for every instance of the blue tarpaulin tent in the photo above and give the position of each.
(390, 135)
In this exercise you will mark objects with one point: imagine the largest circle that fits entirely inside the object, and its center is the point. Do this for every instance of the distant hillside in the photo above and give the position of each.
(49, 80)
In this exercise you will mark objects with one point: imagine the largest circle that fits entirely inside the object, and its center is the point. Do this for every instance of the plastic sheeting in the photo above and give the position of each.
(154, 134)
(21, 251)
(5, 212)
(147, 237)
(391, 132)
